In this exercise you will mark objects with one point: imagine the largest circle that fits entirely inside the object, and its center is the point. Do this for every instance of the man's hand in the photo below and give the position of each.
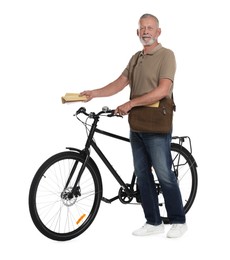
(89, 94)
(123, 109)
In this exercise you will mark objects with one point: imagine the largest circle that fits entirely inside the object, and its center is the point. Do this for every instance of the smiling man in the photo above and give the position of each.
(150, 75)
(148, 31)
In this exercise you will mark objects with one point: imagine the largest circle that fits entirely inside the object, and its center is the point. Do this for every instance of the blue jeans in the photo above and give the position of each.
(153, 150)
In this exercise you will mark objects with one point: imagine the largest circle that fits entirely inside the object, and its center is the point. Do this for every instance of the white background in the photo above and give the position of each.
(48, 48)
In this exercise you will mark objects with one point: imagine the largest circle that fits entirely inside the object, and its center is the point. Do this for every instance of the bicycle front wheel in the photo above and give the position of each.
(55, 211)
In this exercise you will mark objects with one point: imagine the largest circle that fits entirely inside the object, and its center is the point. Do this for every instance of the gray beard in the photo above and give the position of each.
(147, 43)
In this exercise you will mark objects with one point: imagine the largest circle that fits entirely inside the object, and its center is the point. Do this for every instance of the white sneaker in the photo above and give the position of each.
(148, 229)
(177, 230)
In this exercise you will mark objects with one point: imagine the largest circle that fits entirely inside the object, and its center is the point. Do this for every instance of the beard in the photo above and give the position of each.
(147, 40)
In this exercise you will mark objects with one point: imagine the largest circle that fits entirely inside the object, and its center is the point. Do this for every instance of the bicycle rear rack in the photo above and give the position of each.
(181, 140)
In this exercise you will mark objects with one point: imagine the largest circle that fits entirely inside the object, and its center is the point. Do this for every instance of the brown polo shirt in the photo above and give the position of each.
(145, 70)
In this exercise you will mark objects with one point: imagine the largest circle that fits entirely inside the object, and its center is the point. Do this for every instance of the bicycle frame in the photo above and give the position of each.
(86, 152)
(110, 167)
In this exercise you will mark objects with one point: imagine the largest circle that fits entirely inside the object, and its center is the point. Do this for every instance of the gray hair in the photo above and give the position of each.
(150, 15)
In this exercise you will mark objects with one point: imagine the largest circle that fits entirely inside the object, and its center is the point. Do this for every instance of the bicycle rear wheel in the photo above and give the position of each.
(184, 167)
(55, 212)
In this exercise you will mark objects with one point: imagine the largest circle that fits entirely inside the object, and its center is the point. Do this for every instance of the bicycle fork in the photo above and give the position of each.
(86, 153)
(75, 191)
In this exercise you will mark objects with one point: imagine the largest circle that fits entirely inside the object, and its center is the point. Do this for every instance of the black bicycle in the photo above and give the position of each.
(66, 191)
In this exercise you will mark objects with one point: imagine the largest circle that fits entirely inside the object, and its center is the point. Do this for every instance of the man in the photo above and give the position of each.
(150, 74)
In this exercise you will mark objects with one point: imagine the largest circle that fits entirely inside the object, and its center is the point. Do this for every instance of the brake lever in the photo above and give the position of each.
(112, 114)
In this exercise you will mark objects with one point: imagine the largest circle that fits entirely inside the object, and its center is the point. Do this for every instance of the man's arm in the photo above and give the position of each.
(108, 90)
(162, 90)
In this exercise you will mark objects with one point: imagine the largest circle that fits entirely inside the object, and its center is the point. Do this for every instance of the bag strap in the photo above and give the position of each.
(174, 105)
(134, 66)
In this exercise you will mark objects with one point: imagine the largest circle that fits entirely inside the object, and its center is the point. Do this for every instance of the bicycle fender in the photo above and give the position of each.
(75, 149)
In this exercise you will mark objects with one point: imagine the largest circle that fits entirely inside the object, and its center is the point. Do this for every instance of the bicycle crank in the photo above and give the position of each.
(123, 196)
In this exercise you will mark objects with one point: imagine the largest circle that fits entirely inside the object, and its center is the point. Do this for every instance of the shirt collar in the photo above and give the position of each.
(158, 47)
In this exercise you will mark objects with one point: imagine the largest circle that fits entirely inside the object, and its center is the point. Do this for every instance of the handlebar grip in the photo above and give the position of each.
(111, 113)
(81, 110)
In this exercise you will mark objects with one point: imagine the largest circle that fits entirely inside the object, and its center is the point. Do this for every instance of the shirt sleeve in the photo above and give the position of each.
(168, 66)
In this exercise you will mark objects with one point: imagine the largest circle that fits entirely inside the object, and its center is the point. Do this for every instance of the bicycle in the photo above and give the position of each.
(66, 191)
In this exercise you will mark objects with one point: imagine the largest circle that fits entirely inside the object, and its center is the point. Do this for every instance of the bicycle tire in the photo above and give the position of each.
(185, 169)
(56, 215)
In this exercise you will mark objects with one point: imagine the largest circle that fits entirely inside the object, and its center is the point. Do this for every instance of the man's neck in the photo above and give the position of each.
(149, 48)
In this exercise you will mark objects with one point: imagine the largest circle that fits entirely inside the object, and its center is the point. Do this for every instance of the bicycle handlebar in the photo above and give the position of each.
(105, 110)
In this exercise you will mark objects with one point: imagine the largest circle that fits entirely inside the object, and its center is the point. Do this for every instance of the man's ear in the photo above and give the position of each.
(158, 32)
(137, 32)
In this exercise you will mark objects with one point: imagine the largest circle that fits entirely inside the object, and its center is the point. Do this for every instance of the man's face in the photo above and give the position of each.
(148, 31)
